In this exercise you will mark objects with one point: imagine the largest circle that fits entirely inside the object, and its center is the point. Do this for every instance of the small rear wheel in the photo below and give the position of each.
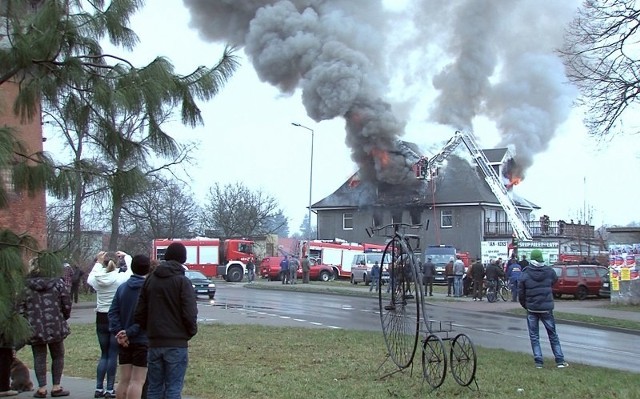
(463, 360)
(434, 361)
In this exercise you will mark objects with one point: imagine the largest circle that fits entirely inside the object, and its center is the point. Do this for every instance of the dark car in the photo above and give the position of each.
(578, 280)
(201, 284)
(605, 289)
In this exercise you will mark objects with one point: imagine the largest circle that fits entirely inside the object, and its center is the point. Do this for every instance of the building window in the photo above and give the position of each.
(396, 217)
(347, 221)
(446, 218)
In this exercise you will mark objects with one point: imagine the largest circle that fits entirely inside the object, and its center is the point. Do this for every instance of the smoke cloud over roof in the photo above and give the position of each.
(335, 51)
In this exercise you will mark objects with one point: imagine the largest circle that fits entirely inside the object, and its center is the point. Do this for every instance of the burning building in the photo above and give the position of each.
(457, 202)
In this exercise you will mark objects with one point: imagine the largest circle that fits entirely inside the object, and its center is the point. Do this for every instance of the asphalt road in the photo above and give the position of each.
(234, 304)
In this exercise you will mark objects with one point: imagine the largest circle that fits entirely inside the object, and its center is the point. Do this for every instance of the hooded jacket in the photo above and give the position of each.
(122, 310)
(167, 308)
(106, 283)
(46, 305)
(534, 287)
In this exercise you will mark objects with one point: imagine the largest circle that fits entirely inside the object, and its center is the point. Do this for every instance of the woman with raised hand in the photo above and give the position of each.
(105, 278)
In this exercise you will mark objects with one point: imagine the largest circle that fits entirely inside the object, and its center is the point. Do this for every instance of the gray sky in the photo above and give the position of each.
(509, 88)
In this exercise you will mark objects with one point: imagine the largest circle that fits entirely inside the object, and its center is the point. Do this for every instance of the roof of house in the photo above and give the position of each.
(458, 183)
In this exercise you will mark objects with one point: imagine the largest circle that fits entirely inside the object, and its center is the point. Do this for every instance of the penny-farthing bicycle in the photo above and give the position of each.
(403, 312)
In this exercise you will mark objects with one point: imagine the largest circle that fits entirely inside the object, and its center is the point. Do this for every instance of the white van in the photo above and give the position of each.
(361, 265)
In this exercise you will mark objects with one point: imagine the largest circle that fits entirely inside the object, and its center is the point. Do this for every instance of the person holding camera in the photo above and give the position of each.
(105, 278)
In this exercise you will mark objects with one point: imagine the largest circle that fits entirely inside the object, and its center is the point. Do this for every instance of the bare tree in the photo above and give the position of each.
(601, 57)
(234, 210)
(165, 210)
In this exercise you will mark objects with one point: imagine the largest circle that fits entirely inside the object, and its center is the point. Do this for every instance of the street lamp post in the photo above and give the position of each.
(310, 177)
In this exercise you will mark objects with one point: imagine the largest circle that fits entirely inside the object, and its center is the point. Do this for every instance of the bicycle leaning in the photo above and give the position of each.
(498, 289)
(403, 311)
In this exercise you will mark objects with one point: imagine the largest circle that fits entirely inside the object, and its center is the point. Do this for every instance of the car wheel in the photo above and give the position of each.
(353, 280)
(581, 294)
(326, 276)
(557, 296)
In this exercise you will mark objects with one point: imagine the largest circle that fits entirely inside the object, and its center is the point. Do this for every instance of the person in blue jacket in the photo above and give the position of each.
(133, 342)
(284, 270)
(536, 296)
(513, 274)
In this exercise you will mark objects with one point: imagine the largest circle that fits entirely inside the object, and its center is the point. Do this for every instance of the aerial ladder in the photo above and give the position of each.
(426, 169)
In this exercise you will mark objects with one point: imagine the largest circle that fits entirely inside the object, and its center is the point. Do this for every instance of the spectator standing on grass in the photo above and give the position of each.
(306, 268)
(251, 271)
(493, 273)
(375, 277)
(132, 339)
(168, 313)
(46, 305)
(293, 270)
(428, 274)
(524, 262)
(105, 277)
(477, 275)
(284, 270)
(76, 279)
(513, 274)
(67, 275)
(448, 272)
(458, 273)
(536, 296)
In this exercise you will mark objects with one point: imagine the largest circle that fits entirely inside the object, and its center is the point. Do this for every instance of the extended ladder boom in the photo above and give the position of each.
(520, 228)
(518, 224)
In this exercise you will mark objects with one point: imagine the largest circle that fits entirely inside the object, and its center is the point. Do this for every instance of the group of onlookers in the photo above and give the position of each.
(152, 351)
(530, 283)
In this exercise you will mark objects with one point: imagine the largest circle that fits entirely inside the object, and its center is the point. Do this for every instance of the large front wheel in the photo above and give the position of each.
(399, 308)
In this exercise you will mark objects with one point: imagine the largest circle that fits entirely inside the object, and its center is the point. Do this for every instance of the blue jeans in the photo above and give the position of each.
(549, 323)
(165, 372)
(109, 350)
(375, 281)
(457, 285)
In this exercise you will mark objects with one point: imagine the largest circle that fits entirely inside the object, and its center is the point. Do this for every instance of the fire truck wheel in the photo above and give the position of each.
(235, 274)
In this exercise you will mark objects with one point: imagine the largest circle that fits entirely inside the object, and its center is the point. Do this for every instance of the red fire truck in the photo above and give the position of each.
(338, 254)
(212, 256)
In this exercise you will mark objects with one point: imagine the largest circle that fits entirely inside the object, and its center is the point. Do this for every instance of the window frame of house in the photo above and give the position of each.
(347, 217)
(396, 217)
(446, 213)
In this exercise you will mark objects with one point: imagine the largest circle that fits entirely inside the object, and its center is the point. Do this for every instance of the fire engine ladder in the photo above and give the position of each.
(520, 228)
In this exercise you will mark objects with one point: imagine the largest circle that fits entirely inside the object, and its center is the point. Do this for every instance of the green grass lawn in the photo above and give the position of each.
(242, 361)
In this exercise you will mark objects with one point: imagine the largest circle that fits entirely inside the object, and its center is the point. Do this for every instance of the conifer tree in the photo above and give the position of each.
(52, 50)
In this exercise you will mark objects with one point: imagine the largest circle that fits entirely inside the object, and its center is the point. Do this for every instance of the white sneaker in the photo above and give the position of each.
(562, 365)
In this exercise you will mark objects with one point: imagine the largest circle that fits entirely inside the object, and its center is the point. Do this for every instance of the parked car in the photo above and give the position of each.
(605, 289)
(270, 269)
(578, 280)
(201, 284)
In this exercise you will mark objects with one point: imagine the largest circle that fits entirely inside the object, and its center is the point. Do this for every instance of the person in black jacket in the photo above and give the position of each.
(132, 340)
(536, 296)
(168, 313)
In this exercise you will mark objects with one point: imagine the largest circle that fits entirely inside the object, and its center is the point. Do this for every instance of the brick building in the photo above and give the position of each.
(26, 214)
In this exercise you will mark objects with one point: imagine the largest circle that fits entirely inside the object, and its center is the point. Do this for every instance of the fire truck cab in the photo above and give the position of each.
(212, 256)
